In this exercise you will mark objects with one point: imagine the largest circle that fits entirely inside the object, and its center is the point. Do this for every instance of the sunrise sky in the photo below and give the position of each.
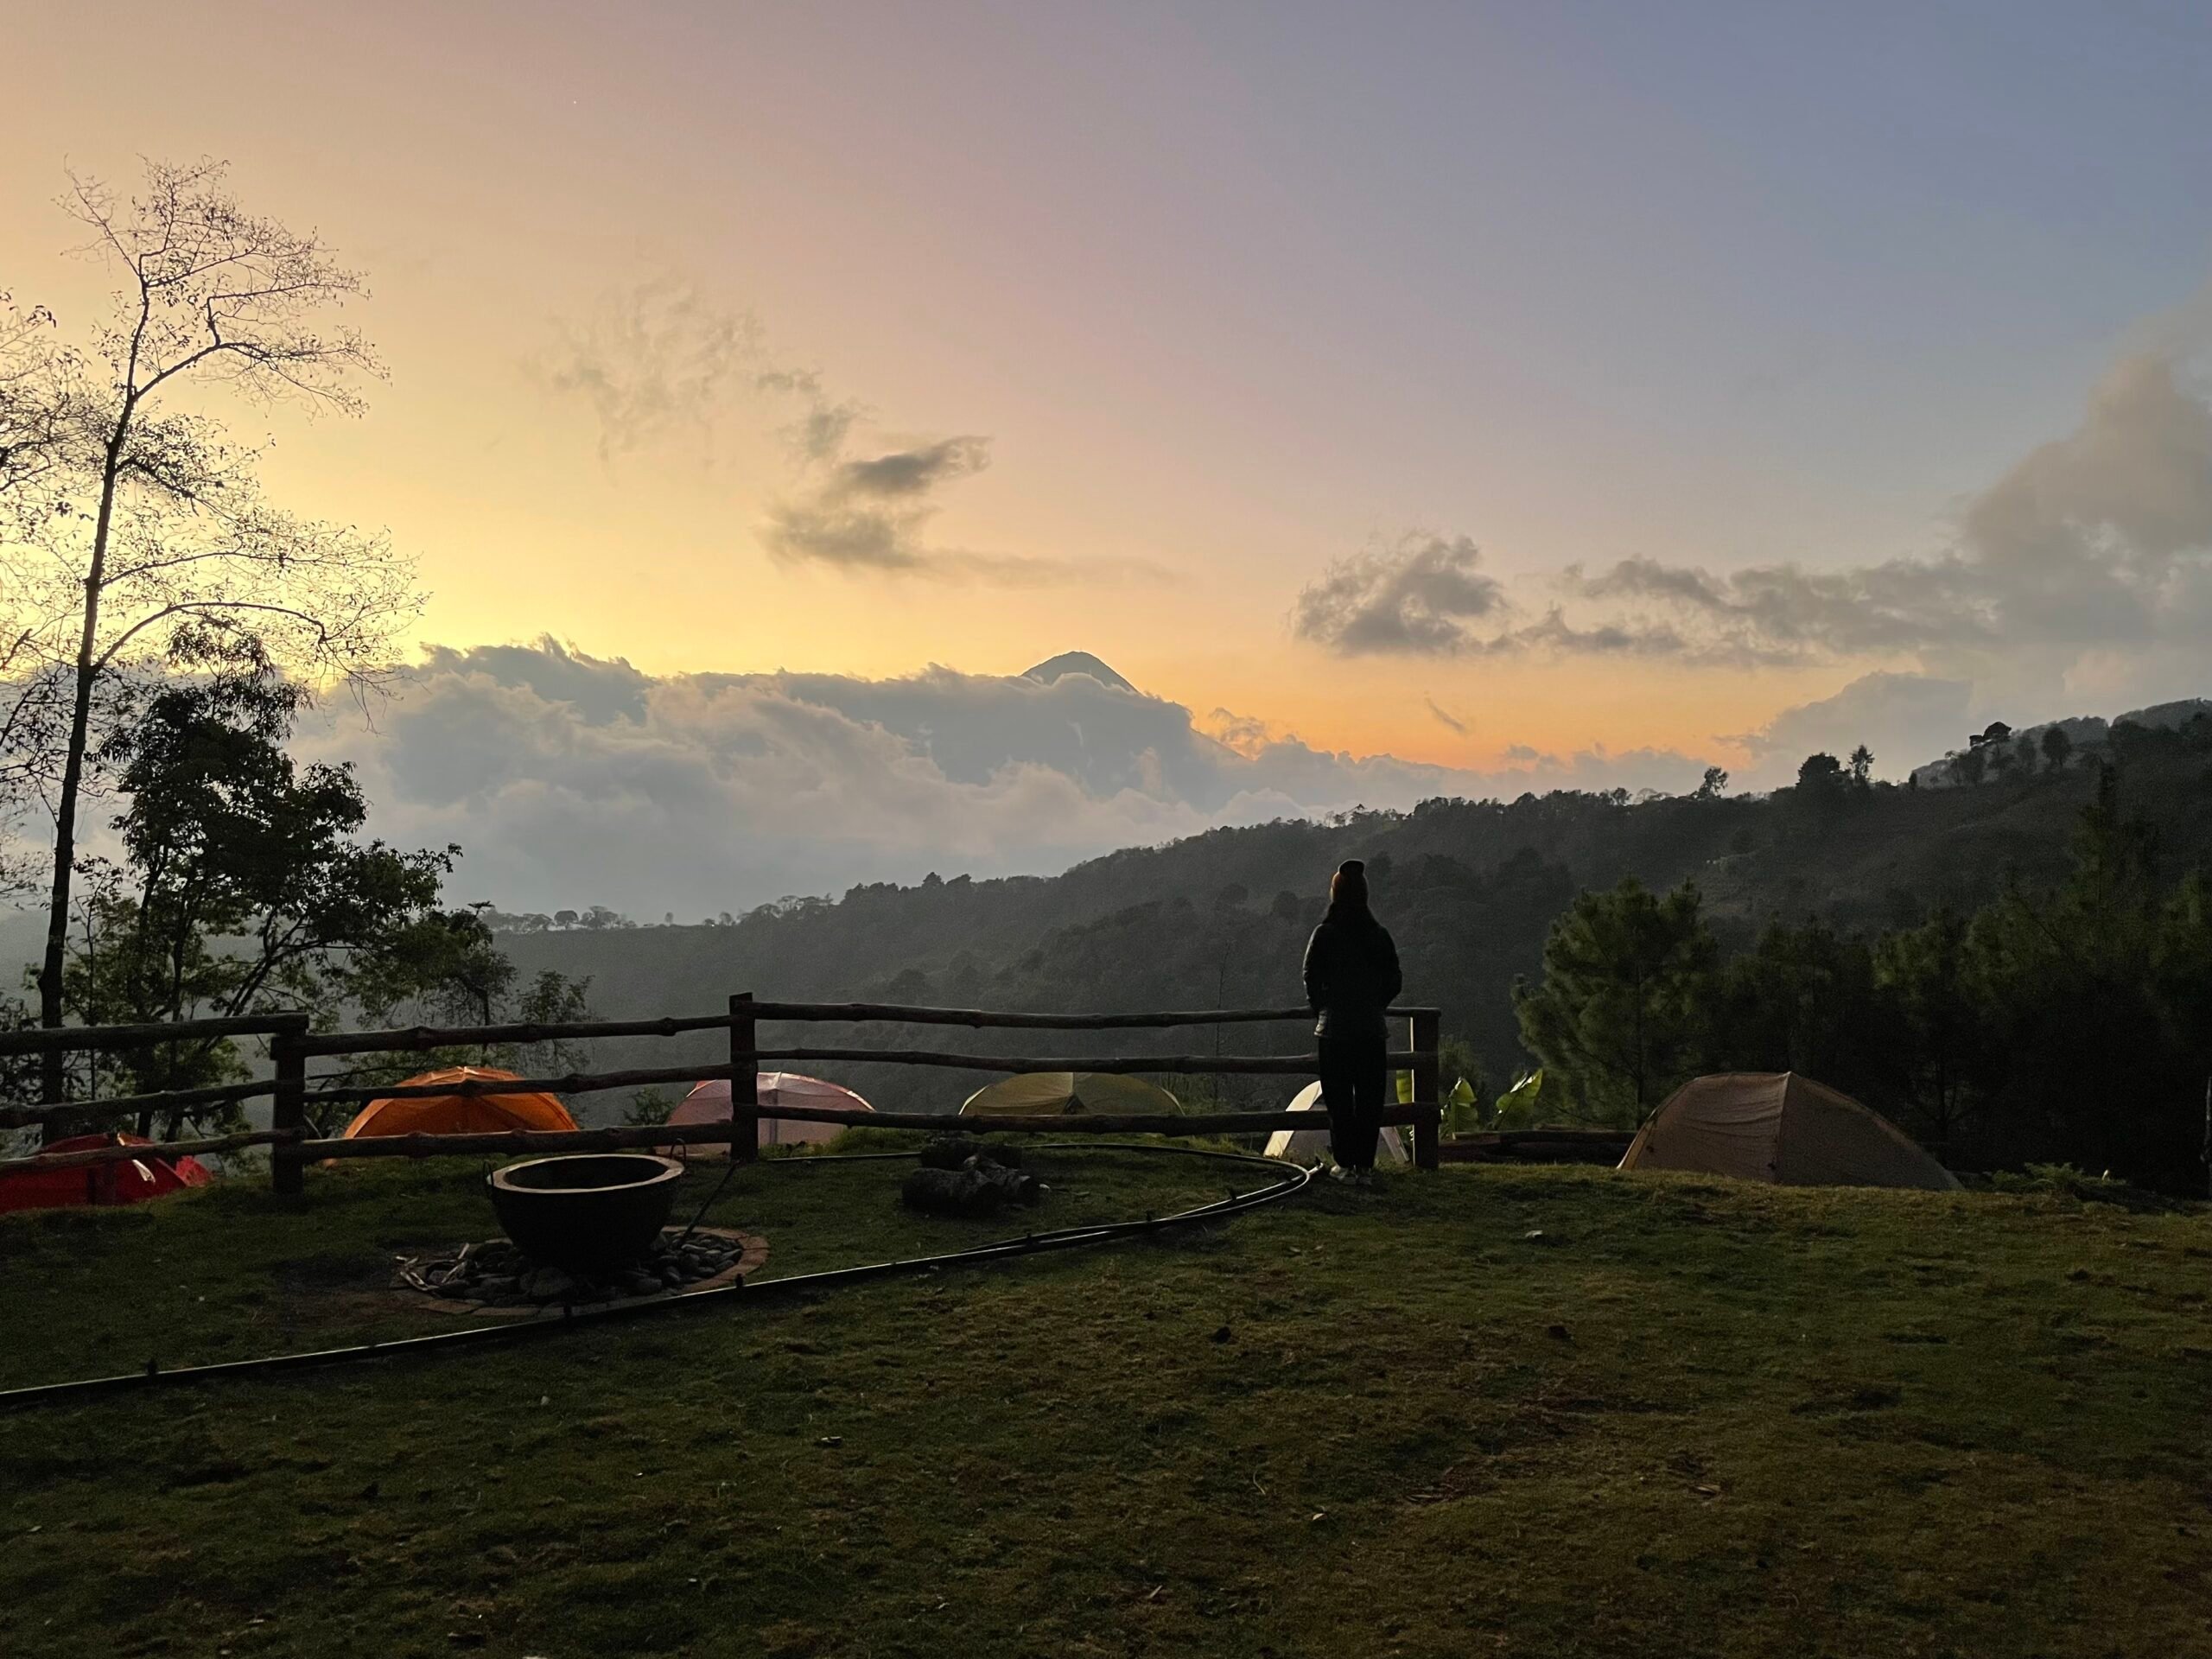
(1471, 384)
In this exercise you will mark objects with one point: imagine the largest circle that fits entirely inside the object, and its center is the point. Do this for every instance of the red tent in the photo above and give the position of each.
(129, 1180)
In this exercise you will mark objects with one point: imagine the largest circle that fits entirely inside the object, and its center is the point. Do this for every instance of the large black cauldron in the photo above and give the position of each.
(588, 1211)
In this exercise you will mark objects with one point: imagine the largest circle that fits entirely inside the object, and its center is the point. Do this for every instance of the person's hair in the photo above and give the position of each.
(1348, 892)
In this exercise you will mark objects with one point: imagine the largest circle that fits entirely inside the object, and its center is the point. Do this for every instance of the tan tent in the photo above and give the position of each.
(1306, 1146)
(1777, 1126)
(1045, 1094)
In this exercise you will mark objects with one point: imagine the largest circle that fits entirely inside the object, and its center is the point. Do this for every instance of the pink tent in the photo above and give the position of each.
(708, 1103)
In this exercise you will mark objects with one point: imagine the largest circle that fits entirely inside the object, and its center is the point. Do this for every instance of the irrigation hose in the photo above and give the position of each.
(1064, 1238)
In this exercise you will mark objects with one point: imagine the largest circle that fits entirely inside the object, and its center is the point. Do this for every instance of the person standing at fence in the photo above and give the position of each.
(1352, 979)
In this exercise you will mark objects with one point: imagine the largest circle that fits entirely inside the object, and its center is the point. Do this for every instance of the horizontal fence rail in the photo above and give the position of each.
(22, 1117)
(403, 1038)
(584, 1082)
(71, 1037)
(301, 1145)
(414, 1039)
(293, 1141)
(895, 1014)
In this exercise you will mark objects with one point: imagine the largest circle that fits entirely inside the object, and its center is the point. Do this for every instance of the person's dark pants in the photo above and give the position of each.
(1354, 1073)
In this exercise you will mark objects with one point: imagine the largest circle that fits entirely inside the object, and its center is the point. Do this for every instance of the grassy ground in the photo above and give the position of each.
(1539, 1413)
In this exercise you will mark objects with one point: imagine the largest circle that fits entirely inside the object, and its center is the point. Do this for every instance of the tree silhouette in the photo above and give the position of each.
(1620, 1015)
(125, 517)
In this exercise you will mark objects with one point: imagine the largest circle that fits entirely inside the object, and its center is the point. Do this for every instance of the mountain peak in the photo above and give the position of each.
(1076, 662)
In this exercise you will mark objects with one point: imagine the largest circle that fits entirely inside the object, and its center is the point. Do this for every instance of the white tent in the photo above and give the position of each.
(1310, 1146)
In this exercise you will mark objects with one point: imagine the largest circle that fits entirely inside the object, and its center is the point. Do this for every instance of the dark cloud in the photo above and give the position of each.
(870, 514)
(1452, 722)
(1420, 598)
(904, 474)
(1413, 599)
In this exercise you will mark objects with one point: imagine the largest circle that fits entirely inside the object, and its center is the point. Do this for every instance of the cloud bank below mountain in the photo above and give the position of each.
(570, 779)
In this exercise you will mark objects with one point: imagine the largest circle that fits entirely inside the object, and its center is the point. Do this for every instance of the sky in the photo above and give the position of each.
(1409, 398)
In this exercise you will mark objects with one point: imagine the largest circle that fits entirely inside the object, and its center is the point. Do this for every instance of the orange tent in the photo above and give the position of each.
(460, 1113)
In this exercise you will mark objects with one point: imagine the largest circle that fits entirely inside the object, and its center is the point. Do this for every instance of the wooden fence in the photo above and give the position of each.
(294, 1145)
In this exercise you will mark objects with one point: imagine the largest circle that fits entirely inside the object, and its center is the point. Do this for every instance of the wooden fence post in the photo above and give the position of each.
(286, 1169)
(743, 1080)
(1428, 1085)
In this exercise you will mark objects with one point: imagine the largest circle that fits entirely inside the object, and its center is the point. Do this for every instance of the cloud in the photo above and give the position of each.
(1419, 597)
(1905, 719)
(724, 791)
(2084, 571)
(2101, 540)
(660, 361)
(870, 514)
(1451, 722)
(1413, 599)
(904, 474)
(820, 433)
(825, 531)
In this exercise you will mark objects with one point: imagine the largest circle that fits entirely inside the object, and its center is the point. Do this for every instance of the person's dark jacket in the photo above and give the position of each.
(1352, 976)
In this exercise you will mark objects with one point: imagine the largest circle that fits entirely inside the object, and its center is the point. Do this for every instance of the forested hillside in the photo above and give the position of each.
(1471, 889)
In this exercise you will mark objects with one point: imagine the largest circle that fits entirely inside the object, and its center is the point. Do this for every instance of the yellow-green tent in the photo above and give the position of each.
(1045, 1094)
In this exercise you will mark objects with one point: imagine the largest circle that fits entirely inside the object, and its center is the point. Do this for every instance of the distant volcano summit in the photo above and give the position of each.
(1077, 662)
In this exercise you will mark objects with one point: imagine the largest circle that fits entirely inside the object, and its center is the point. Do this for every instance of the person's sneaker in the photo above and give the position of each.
(1363, 1177)
(1339, 1172)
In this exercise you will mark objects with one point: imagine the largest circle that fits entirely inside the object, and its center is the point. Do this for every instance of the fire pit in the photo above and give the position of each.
(586, 1212)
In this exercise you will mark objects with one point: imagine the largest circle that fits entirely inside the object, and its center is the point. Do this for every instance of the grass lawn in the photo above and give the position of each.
(1531, 1413)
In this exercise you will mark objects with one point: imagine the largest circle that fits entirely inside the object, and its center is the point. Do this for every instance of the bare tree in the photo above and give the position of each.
(125, 517)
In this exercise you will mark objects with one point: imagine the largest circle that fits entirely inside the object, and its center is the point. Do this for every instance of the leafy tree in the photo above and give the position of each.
(1931, 1044)
(2057, 747)
(245, 885)
(1621, 1013)
(648, 1107)
(1820, 774)
(1823, 786)
(1966, 765)
(125, 516)
(491, 991)
(2070, 982)
(1862, 766)
(1715, 786)
(1802, 999)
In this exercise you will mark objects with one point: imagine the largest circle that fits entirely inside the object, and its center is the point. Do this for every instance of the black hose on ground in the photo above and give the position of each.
(484, 1335)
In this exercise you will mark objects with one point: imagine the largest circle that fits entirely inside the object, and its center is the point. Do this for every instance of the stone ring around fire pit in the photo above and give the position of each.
(495, 1277)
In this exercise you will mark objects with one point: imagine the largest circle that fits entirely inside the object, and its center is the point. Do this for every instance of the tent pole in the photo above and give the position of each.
(1428, 1084)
